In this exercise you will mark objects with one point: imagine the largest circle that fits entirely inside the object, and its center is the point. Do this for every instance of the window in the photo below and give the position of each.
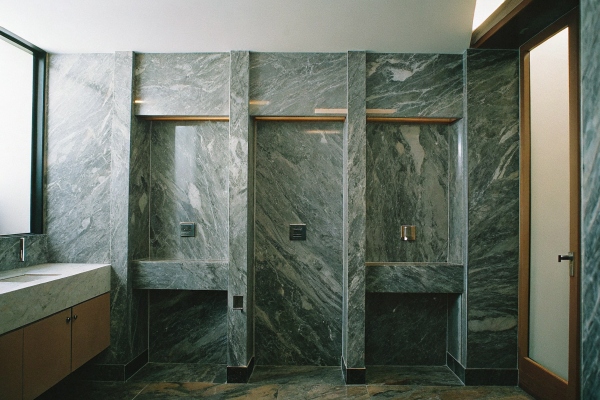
(22, 72)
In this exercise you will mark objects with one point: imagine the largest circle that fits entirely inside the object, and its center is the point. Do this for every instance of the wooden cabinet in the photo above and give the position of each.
(11, 364)
(48, 350)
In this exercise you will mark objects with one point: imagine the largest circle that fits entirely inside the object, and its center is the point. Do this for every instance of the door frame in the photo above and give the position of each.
(533, 377)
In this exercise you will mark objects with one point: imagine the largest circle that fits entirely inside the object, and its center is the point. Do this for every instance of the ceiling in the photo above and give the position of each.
(90, 26)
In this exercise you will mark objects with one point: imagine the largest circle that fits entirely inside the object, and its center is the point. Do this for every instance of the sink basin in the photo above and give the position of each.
(26, 277)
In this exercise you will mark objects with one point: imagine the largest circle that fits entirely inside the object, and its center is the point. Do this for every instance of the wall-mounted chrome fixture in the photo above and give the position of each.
(408, 233)
(187, 229)
(22, 249)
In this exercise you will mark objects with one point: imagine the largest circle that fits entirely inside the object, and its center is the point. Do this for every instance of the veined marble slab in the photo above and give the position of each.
(22, 303)
(180, 274)
(415, 277)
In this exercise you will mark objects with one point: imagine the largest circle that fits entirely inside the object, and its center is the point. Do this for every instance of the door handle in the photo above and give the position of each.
(568, 257)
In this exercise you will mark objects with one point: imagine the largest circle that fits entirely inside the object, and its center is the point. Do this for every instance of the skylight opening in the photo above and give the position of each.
(483, 9)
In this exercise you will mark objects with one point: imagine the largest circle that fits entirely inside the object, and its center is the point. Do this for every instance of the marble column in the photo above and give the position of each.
(241, 227)
(590, 199)
(354, 211)
(493, 215)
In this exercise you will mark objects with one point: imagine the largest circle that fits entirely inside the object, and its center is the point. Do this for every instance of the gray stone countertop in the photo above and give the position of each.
(32, 293)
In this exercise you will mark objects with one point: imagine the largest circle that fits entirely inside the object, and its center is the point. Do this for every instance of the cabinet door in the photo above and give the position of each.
(11, 366)
(91, 329)
(46, 353)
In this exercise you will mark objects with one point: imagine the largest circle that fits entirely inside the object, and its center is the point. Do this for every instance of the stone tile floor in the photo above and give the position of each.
(191, 381)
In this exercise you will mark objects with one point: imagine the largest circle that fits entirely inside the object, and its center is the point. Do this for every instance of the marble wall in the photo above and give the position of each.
(492, 129)
(189, 183)
(415, 85)
(407, 184)
(182, 84)
(297, 84)
(36, 251)
(590, 196)
(195, 333)
(397, 335)
(298, 283)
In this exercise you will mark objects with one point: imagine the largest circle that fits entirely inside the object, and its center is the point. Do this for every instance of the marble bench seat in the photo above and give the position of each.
(180, 274)
(414, 277)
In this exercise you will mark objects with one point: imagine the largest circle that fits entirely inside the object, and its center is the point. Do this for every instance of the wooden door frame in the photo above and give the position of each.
(533, 377)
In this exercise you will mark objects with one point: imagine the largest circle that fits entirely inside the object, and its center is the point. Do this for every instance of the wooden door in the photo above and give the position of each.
(549, 251)
(90, 329)
(46, 353)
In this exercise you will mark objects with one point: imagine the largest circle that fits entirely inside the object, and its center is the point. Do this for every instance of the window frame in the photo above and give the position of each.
(38, 122)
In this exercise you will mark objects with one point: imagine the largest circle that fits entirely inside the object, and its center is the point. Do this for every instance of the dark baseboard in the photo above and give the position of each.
(483, 376)
(240, 374)
(111, 372)
(455, 367)
(354, 376)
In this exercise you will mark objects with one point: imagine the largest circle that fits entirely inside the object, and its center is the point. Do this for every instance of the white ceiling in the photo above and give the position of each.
(89, 26)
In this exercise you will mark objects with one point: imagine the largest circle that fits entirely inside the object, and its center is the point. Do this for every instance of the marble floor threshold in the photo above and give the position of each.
(195, 381)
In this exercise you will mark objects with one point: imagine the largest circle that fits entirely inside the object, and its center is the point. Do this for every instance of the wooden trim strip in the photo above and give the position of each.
(223, 118)
(296, 119)
(414, 120)
(507, 11)
(539, 381)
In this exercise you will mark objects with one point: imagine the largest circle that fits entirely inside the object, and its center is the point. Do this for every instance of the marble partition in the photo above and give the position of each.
(415, 85)
(297, 84)
(36, 251)
(590, 193)
(354, 217)
(415, 278)
(78, 157)
(182, 84)
(240, 329)
(196, 333)
(189, 184)
(298, 284)
(179, 274)
(493, 207)
(407, 184)
(397, 335)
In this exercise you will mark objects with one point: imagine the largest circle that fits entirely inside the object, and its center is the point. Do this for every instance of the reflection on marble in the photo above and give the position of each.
(405, 329)
(176, 372)
(240, 329)
(182, 275)
(36, 251)
(182, 84)
(188, 326)
(354, 212)
(297, 83)
(78, 157)
(493, 207)
(590, 181)
(298, 283)
(414, 375)
(71, 389)
(457, 193)
(166, 390)
(415, 278)
(407, 184)
(189, 184)
(447, 393)
(305, 392)
(297, 375)
(415, 85)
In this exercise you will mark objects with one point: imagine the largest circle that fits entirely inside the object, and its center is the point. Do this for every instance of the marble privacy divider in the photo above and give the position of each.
(415, 278)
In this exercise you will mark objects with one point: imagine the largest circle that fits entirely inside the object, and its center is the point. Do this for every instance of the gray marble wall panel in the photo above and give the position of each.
(36, 251)
(415, 278)
(181, 275)
(406, 329)
(188, 326)
(457, 212)
(407, 184)
(415, 85)
(78, 157)
(241, 228)
(189, 184)
(298, 283)
(493, 207)
(182, 84)
(354, 162)
(297, 83)
(590, 210)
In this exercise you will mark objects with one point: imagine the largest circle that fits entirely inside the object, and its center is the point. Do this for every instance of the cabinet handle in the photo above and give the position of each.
(68, 319)
(74, 317)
